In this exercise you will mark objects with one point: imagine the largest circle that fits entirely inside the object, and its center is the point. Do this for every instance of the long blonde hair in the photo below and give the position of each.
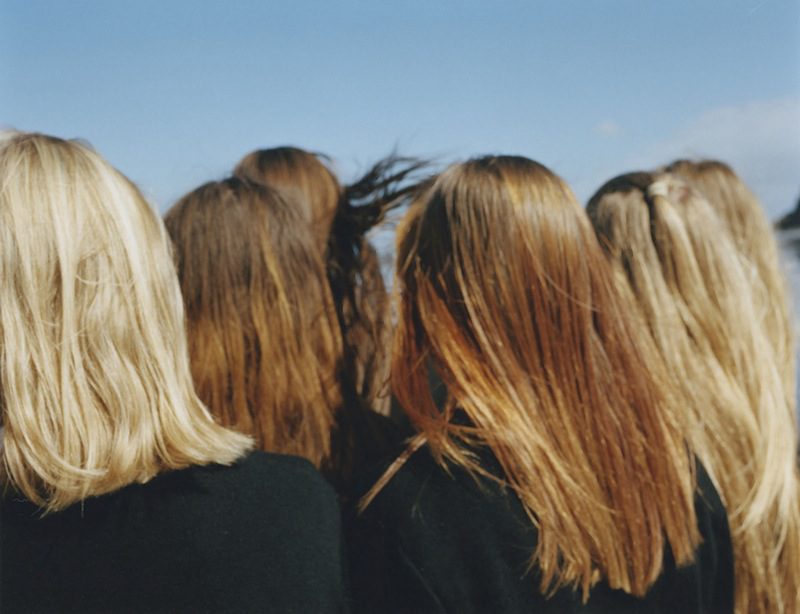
(505, 291)
(265, 345)
(673, 255)
(753, 235)
(95, 382)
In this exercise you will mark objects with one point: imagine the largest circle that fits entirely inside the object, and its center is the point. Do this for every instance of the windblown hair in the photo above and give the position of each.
(264, 342)
(506, 293)
(94, 378)
(753, 235)
(673, 255)
(340, 216)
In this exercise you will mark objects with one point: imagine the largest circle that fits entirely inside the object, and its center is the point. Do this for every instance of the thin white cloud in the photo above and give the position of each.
(608, 128)
(760, 140)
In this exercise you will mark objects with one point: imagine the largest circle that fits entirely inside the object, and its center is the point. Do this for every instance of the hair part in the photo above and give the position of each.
(672, 254)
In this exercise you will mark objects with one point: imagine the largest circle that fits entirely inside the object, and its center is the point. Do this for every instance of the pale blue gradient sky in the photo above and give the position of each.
(173, 92)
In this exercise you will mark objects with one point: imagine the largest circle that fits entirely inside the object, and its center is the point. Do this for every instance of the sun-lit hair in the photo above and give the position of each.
(95, 383)
(340, 216)
(753, 235)
(264, 343)
(505, 292)
(673, 255)
(302, 175)
(358, 289)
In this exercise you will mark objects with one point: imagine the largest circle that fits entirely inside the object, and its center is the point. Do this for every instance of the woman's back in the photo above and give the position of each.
(119, 491)
(505, 294)
(433, 541)
(260, 535)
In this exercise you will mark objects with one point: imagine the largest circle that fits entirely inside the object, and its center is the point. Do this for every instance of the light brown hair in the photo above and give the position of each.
(506, 293)
(95, 382)
(264, 342)
(674, 256)
(308, 183)
(340, 216)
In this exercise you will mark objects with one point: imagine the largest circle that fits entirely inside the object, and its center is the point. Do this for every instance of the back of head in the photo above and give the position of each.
(506, 293)
(658, 242)
(264, 343)
(340, 217)
(95, 380)
(310, 185)
(674, 255)
(733, 201)
(753, 235)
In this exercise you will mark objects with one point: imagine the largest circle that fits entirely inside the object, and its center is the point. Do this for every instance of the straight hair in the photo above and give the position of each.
(674, 257)
(505, 293)
(753, 236)
(340, 216)
(95, 383)
(265, 345)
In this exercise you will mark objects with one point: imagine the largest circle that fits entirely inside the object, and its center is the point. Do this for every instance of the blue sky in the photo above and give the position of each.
(174, 92)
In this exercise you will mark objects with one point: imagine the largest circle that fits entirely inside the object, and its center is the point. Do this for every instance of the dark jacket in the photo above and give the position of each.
(262, 535)
(433, 542)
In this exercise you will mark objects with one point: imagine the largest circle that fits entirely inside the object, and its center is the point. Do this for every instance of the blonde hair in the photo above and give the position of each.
(673, 255)
(752, 234)
(506, 293)
(264, 342)
(95, 382)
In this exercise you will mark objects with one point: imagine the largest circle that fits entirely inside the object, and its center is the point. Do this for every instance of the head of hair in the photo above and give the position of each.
(732, 200)
(95, 383)
(302, 175)
(340, 217)
(506, 293)
(673, 255)
(753, 235)
(264, 342)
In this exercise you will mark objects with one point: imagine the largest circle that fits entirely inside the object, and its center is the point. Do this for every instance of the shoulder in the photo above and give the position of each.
(420, 476)
(265, 530)
(715, 557)
(712, 517)
(707, 497)
(273, 468)
(423, 478)
(277, 515)
(429, 504)
(271, 482)
(435, 538)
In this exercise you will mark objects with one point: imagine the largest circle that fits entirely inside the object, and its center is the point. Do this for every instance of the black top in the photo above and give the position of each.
(360, 439)
(262, 535)
(432, 542)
